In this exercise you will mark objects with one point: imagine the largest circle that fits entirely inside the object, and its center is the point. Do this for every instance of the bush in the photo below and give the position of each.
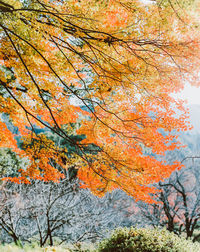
(146, 240)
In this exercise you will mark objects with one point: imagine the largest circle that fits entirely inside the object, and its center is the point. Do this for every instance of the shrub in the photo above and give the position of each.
(146, 240)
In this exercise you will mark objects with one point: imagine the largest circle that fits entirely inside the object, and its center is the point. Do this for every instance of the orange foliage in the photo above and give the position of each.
(109, 66)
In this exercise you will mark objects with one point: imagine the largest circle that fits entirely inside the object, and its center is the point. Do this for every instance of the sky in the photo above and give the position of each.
(190, 93)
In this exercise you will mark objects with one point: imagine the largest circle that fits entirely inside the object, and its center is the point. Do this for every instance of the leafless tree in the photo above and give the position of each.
(178, 203)
(46, 212)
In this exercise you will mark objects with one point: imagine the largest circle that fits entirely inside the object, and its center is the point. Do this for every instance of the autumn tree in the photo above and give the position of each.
(108, 67)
